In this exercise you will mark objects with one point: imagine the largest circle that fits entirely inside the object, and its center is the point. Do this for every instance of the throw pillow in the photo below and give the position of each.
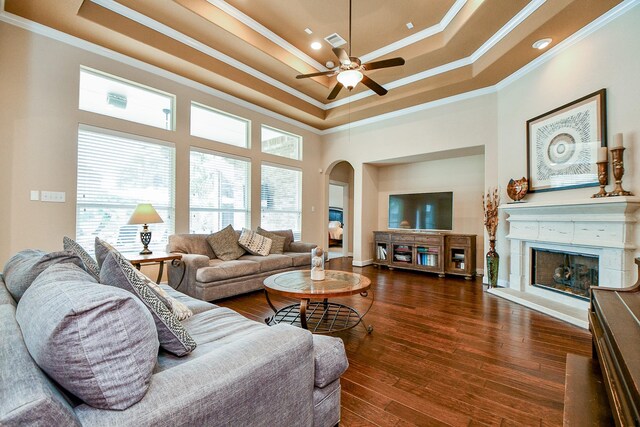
(254, 243)
(277, 241)
(225, 244)
(178, 308)
(102, 249)
(90, 264)
(287, 234)
(117, 271)
(25, 266)
(98, 342)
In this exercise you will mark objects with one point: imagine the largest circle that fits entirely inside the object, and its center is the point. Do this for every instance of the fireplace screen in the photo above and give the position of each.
(564, 272)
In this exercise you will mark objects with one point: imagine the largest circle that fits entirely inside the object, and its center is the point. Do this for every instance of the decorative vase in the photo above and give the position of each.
(317, 264)
(493, 262)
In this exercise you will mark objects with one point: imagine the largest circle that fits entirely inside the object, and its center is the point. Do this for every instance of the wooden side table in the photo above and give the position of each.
(155, 258)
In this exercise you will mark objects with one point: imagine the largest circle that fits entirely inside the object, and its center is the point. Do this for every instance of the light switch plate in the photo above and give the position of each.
(53, 196)
(35, 195)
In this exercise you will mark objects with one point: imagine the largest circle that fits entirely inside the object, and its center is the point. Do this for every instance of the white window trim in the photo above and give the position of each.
(224, 113)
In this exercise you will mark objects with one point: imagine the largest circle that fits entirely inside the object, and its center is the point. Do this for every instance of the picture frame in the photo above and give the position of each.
(562, 144)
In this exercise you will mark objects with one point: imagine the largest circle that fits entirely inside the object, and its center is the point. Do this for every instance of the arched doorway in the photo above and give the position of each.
(340, 210)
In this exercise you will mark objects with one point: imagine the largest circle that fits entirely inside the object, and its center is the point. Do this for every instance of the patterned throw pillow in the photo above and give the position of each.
(102, 250)
(287, 234)
(90, 264)
(225, 244)
(277, 241)
(181, 311)
(254, 243)
(117, 271)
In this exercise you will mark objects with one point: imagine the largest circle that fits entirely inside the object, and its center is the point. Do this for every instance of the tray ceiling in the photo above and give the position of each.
(253, 49)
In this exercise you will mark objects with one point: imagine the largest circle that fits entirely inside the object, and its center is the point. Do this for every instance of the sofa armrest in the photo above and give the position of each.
(301, 247)
(182, 275)
(265, 378)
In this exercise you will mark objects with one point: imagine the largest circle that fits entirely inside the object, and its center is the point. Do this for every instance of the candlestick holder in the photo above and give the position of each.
(603, 176)
(618, 170)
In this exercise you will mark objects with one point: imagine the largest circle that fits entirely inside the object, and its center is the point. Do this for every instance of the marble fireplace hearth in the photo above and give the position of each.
(602, 229)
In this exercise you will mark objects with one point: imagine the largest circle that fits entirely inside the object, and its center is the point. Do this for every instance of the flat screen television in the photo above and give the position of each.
(421, 211)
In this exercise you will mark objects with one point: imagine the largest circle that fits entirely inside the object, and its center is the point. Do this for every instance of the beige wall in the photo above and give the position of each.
(38, 133)
(464, 176)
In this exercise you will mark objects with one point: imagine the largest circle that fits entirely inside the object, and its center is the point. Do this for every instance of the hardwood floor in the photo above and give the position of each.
(443, 352)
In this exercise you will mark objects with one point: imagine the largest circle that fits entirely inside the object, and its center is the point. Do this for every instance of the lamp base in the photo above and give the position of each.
(145, 238)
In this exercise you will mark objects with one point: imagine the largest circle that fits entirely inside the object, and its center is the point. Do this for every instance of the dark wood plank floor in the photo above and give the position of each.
(443, 352)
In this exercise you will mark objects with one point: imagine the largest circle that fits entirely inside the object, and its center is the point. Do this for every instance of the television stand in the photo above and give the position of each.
(432, 252)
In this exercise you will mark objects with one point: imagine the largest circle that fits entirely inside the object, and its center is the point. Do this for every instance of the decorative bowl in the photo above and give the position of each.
(517, 189)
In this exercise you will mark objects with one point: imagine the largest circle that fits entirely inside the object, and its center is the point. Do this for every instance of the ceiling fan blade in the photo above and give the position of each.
(342, 55)
(335, 91)
(322, 73)
(373, 86)
(385, 63)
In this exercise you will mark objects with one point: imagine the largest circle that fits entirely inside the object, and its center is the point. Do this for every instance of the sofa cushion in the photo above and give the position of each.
(330, 359)
(287, 234)
(225, 244)
(90, 264)
(25, 266)
(254, 243)
(102, 249)
(221, 270)
(270, 262)
(277, 241)
(98, 342)
(193, 304)
(299, 258)
(117, 271)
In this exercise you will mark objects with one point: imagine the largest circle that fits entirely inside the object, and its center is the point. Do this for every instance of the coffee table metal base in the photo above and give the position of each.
(320, 317)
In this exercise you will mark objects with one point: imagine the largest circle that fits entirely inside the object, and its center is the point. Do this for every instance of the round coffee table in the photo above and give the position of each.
(321, 316)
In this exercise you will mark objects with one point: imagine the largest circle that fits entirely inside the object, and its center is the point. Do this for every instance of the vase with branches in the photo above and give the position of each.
(490, 203)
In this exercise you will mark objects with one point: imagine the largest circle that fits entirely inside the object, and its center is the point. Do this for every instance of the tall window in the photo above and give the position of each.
(219, 192)
(112, 96)
(209, 123)
(281, 143)
(117, 171)
(281, 199)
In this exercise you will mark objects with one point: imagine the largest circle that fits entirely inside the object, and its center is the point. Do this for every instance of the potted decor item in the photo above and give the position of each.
(317, 264)
(517, 189)
(490, 204)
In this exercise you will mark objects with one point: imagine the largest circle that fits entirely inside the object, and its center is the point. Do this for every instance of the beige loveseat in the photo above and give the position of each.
(202, 275)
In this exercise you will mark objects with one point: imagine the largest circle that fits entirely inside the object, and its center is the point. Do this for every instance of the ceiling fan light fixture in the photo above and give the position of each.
(350, 78)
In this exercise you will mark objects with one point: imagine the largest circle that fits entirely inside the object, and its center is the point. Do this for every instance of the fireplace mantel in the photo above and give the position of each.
(602, 227)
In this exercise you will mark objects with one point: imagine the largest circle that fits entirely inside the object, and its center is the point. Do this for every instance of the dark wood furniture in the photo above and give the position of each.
(155, 258)
(614, 321)
(441, 253)
(319, 316)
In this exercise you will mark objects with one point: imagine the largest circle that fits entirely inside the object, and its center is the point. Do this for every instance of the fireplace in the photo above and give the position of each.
(569, 273)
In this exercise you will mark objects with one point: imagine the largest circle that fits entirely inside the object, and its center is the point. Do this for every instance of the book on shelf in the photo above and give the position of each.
(382, 252)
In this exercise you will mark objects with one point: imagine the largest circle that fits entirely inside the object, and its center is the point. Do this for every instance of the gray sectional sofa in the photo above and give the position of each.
(242, 373)
(202, 275)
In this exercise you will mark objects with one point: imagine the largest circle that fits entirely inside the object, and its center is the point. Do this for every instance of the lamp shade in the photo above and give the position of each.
(350, 78)
(144, 214)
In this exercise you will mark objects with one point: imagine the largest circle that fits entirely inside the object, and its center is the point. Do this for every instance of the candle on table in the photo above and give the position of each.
(617, 141)
(602, 154)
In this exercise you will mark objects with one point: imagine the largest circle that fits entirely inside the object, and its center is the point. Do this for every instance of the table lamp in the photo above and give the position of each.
(145, 214)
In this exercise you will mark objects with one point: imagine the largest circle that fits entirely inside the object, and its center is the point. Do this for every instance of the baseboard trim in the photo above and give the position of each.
(362, 263)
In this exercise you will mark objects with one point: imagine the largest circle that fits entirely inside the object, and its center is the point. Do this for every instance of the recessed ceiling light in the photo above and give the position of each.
(308, 31)
(316, 45)
(541, 44)
(409, 25)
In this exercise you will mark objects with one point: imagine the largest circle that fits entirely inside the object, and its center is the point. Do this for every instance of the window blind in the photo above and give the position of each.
(117, 171)
(281, 199)
(219, 192)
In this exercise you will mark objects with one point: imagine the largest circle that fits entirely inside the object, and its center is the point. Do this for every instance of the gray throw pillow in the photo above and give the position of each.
(102, 249)
(277, 241)
(254, 243)
(25, 266)
(117, 271)
(225, 244)
(287, 234)
(98, 342)
(90, 264)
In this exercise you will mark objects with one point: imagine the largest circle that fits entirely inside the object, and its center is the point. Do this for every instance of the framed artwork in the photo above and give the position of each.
(562, 145)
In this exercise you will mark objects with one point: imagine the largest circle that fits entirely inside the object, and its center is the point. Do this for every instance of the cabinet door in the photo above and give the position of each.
(382, 252)
(429, 257)
(402, 254)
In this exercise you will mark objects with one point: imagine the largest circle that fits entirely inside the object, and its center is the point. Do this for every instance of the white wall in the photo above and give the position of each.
(39, 133)
(336, 196)
(464, 176)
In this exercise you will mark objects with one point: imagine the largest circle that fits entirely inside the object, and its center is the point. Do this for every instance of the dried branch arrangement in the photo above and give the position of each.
(490, 204)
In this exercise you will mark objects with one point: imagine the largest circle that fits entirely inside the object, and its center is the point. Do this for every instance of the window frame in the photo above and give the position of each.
(222, 113)
(297, 234)
(274, 129)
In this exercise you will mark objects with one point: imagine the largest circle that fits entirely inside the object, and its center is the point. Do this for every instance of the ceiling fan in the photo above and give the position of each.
(351, 70)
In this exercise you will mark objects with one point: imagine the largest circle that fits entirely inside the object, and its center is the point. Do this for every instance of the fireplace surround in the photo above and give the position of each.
(602, 229)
